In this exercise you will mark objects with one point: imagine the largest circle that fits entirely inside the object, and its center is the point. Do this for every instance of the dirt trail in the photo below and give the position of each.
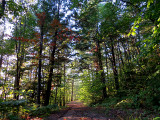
(78, 111)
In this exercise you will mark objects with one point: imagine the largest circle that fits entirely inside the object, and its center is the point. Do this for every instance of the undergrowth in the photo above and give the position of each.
(22, 110)
(128, 108)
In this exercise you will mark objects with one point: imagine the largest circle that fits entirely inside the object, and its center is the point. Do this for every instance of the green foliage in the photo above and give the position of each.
(14, 7)
(44, 110)
(10, 109)
(90, 90)
(7, 47)
(13, 117)
(156, 118)
(13, 103)
(15, 110)
(126, 103)
(141, 87)
(107, 103)
(84, 89)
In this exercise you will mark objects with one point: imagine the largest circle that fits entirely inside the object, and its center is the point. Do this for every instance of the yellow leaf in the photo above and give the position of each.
(149, 3)
(133, 33)
(13, 17)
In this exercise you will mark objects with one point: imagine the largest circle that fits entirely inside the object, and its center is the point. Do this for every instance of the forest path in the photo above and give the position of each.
(78, 111)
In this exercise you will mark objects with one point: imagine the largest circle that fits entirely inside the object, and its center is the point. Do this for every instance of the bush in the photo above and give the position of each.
(157, 118)
(10, 109)
(126, 103)
(13, 117)
(108, 103)
(44, 110)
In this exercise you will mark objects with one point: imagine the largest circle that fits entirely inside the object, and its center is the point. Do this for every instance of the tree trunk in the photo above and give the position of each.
(40, 67)
(35, 79)
(59, 76)
(114, 65)
(1, 60)
(19, 71)
(20, 58)
(64, 75)
(60, 99)
(120, 53)
(105, 47)
(5, 80)
(2, 8)
(72, 90)
(99, 57)
(48, 91)
(55, 100)
(16, 84)
(17, 77)
(125, 53)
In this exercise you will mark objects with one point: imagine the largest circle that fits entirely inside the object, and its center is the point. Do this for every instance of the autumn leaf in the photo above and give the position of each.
(56, 24)
(41, 16)
(52, 44)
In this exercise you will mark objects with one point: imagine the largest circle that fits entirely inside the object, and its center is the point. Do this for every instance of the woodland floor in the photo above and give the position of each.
(78, 111)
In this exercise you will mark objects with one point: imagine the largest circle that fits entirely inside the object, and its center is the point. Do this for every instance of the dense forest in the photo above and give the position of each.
(104, 53)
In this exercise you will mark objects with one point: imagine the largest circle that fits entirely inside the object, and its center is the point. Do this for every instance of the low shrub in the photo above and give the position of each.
(44, 110)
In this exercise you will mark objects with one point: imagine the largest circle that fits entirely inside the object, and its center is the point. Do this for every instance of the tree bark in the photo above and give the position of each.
(20, 58)
(105, 47)
(3, 8)
(72, 90)
(40, 67)
(1, 59)
(114, 65)
(16, 84)
(120, 53)
(17, 77)
(48, 91)
(99, 57)
(64, 75)
(55, 100)
(6, 78)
